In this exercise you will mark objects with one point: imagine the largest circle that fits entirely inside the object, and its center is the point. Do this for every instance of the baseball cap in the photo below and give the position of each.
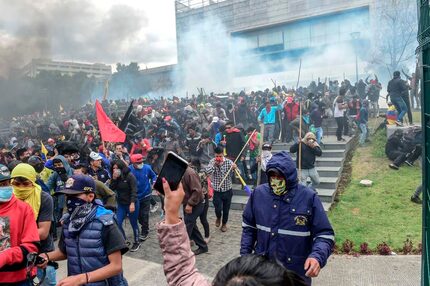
(136, 158)
(78, 184)
(267, 146)
(95, 156)
(4, 173)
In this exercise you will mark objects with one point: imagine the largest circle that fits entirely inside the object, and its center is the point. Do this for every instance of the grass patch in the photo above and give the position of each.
(382, 212)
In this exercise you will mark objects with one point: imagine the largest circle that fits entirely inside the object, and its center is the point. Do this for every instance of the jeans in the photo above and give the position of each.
(190, 221)
(122, 212)
(401, 107)
(144, 207)
(222, 203)
(319, 134)
(312, 174)
(363, 135)
(204, 216)
(59, 202)
(374, 108)
(269, 131)
(287, 131)
(50, 278)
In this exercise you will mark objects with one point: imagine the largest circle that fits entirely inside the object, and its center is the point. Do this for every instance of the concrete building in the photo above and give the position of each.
(99, 71)
(271, 36)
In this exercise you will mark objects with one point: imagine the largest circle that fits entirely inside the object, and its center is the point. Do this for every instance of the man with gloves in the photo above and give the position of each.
(286, 221)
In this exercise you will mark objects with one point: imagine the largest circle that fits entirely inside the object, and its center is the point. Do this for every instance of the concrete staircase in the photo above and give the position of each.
(329, 166)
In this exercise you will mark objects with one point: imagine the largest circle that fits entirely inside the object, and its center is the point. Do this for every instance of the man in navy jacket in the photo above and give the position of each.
(286, 221)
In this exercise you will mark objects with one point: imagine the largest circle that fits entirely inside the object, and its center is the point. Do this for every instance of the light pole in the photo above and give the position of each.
(355, 36)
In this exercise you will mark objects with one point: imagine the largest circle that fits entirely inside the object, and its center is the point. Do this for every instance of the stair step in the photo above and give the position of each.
(329, 162)
(334, 153)
(326, 195)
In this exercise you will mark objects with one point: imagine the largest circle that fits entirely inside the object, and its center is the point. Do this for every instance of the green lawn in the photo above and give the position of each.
(383, 212)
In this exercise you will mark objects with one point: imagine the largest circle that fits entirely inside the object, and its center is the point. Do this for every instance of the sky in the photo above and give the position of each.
(103, 31)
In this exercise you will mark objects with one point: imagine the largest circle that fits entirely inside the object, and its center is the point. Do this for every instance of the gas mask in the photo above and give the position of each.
(279, 186)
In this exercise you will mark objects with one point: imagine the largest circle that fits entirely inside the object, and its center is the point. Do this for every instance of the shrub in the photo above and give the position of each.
(364, 248)
(384, 249)
(407, 246)
(347, 246)
(419, 249)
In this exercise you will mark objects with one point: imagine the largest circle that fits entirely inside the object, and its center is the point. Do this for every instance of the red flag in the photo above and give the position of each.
(108, 130)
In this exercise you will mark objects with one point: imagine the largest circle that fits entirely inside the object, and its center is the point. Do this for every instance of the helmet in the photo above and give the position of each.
(37, 163)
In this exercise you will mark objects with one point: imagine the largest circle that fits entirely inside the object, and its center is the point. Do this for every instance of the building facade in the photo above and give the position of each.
(272, 36)
(99, 71)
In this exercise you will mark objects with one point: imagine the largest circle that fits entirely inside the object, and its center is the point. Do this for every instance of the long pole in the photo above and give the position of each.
(300, 142)
(356, 67)
(238, 156)
(298, 77)
(260, 150)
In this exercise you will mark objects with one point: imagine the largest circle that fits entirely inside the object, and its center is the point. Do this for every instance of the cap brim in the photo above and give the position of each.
(69, 192)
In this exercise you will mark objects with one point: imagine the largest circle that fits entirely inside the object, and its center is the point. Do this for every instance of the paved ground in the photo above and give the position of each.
(144, 267)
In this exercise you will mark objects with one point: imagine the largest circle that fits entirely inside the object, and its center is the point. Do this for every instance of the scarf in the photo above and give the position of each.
(265, 158)
(79, 217)
(31, 196)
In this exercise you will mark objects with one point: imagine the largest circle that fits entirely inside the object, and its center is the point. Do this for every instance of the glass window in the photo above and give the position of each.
(270, 38)
(297, 36)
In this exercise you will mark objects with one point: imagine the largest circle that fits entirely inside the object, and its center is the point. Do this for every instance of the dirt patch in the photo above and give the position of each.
(355, 211)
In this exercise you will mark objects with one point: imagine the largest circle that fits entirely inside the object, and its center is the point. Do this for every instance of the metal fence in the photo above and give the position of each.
(424, 52)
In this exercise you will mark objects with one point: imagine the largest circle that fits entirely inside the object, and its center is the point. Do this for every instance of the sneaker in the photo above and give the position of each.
(217, 222)
(224, 228)
(199, 251)
(416, 200)
(143, 237)
(135, 247)
(341, 140)
(394, 167)
(398, 123)
(154, 208)
(410, 164)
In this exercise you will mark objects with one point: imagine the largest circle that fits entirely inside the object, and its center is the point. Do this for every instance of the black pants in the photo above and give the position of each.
(408, 105)
(204, 216)
(340, 124)
(399, 157)
(287, 131)
(145, 205)
(191, 224)
(222, 203)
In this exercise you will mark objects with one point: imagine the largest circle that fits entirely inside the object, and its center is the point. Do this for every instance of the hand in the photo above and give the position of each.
(234, 166)
(132, 208)
(73, 280)
(45, 262)
(188, 209)
(172, 202)
(312, 266)
(115, 175)
(258, 159)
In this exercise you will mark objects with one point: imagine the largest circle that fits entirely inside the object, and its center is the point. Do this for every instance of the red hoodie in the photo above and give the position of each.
(24, 237)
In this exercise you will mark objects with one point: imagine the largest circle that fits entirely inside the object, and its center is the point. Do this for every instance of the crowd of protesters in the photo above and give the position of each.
(79, 189)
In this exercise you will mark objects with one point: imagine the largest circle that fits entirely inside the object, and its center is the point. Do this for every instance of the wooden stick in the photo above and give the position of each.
(260, 150)
(238, 156)
(298, 78)
(300, 142)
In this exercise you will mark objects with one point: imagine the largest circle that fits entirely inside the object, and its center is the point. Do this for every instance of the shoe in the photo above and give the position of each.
(154, 208)
(200, 251)
(224, 228)
(410, 164)
(394, 167)
(135, 247)
(143, 237)
(416, 200)
(217, 222)
(341, 140)
(207, 239)
(398, 123)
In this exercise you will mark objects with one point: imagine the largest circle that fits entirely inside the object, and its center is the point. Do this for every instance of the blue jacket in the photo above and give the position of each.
(54, 181)
(145, 178)
(269, 118)
(85, 251)
(289, 228)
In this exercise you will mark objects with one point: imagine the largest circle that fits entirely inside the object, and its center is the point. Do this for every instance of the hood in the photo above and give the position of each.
(65, 164)
(283, 162)
(233, 130)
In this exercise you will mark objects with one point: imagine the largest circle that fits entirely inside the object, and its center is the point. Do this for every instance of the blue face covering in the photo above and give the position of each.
(6, 194)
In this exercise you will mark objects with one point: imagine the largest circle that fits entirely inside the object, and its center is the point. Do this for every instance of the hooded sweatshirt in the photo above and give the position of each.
(55, 182)
(21, 228)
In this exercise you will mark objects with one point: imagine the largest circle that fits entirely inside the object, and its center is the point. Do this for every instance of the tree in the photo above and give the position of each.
(395, 33)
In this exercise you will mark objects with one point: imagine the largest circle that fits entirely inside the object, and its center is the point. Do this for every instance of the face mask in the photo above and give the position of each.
(266, 153)
(60, 170)
(6, 194)
(139, 166)
(278, 186)
(218, 160)
(168, 139)
(73, 203)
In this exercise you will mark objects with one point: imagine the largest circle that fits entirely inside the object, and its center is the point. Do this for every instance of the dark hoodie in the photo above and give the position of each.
(235, 141)
(56, 181)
